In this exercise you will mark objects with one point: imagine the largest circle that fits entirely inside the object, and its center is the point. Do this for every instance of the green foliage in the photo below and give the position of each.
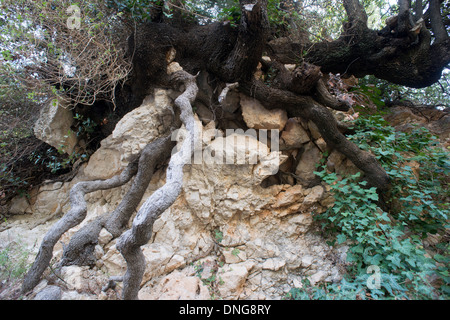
(392, 239)
(436, 94)
(136, 10)
(13, 262)
(418, 198)
(218, 235)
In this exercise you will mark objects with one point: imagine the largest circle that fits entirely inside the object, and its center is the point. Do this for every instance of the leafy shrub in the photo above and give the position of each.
(391, 239)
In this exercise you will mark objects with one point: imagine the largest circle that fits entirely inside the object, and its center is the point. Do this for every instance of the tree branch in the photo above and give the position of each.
(356, 14)
(437, 25)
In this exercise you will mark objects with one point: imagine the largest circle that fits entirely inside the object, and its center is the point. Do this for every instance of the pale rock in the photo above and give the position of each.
(322, 145)
(177, 261)
(233, 279)
(52, 198)
(274, 264)
(54, 126)
(234, 255)
(131, 134)
(114, 262)
(173, 67)
(176, 286)
(98, 251)
(76, 296)
(290, 67)
(258, 117)
(73, 276)
(170, 55)
(317, 277)
(292, 195)
(315, 133)
(314, 196)
(307, 261)
(266, 59)
(49, 293)
(20, 205)
(96, 168)
(307, 164)
(293, 135)
(301, 222)
(104, 237)
(157, 256)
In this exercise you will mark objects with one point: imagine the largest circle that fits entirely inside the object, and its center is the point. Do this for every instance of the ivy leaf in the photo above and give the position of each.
(341, 238)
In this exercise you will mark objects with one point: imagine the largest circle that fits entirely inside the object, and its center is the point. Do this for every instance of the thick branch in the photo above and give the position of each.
(355, 12)
(71, 219)
(129, 244)
(324, 97)
(437, 25)
(403, 18)
(243, 59)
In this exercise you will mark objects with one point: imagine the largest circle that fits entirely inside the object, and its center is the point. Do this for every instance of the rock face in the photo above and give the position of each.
(53, 126)
(133, 132)
(225, 237)
(257, 117)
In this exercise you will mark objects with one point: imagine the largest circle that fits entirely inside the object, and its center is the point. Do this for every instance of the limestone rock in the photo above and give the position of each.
(132, 133)
(53, 126)
(258, 117)
(307, 164)
(233, 279)
(265, 236)
(49, 293)
(20, 205)
(293, 136)
(176, 286)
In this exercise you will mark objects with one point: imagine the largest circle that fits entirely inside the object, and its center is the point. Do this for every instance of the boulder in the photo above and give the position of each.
(293, 135)
(176, 286)
(132, 133)
(307, 164)
(258, 117)
(54, 126)
(49, 293)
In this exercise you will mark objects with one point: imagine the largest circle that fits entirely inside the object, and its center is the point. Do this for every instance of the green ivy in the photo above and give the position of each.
(390, 239)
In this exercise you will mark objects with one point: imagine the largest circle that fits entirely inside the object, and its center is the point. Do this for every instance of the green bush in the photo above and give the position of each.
(391, 239)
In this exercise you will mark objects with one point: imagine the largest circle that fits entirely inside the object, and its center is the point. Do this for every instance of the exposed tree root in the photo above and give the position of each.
(129, 244)
(80, 249)
(308, 108)
(74, 217)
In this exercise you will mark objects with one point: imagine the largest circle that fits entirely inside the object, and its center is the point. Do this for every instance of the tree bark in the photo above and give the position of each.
(74, 217)
(80, 249)
(129, 244)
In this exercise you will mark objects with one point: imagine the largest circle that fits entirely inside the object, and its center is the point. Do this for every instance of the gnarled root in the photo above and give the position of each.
(74, 217)
(129, 244)
(80, 249)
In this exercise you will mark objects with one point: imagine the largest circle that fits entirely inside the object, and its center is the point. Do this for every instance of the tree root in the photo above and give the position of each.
(74, 217)
(308, 108)
(80, 249)
(129, 244)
